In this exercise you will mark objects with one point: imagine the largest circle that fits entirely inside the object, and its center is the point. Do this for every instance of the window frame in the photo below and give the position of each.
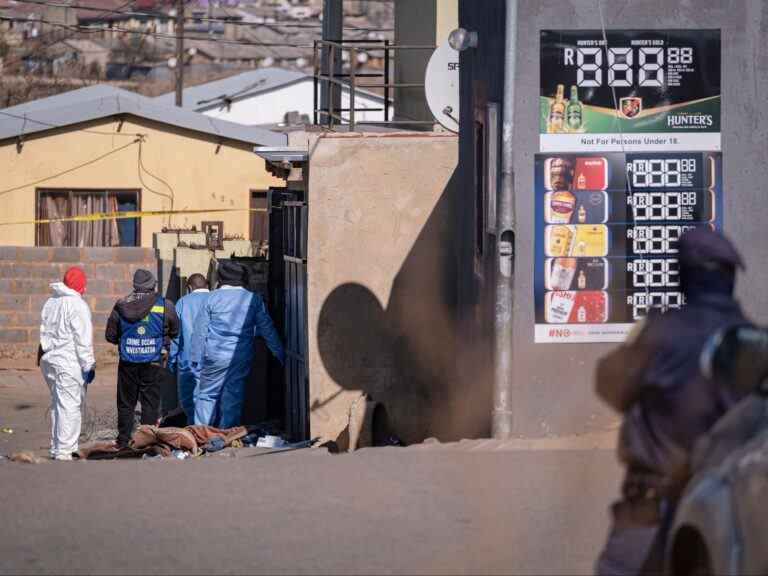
(72, 192)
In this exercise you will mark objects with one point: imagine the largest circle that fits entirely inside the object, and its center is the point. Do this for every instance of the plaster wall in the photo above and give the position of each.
(197, 171)
(381, 281)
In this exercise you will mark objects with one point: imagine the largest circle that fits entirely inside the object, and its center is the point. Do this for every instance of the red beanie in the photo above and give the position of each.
(75, 279)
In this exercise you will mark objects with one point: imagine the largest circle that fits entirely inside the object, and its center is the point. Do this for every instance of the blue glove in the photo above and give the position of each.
(89, 376)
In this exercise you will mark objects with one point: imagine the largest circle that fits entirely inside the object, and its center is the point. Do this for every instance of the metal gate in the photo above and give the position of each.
(294, 236)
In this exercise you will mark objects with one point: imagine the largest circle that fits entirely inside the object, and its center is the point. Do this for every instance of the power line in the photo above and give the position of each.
(133, 13)
(88, 30)
(69, 170)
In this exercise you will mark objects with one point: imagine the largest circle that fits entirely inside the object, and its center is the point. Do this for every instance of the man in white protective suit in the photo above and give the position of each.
(66, 359)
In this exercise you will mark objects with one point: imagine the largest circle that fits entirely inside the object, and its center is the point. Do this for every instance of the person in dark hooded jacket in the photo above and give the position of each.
(654, 381)
(142, 324)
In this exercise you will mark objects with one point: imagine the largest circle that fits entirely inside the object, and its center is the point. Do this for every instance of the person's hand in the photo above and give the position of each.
(89, 376)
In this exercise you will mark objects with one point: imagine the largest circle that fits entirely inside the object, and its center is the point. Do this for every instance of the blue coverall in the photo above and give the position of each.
(179, 362)
(223, 350)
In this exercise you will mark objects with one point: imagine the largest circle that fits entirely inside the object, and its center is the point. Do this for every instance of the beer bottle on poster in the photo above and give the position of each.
(582, 281)
(573, 112)
(557, 110)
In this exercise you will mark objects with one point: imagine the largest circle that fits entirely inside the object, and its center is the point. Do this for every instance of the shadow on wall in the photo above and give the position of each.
(404, 355)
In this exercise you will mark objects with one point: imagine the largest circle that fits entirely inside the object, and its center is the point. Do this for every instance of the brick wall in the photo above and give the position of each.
(25, 275)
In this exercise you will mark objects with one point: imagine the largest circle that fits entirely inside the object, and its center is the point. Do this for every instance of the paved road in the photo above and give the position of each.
(385, 510)
(521, 507)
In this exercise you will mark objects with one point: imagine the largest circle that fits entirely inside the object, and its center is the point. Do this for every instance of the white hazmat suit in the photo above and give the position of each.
(66, 337)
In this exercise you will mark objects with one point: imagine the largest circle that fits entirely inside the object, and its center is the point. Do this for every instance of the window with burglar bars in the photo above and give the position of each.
(53, 204)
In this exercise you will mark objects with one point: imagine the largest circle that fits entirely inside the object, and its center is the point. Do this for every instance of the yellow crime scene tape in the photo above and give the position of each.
(96, 216)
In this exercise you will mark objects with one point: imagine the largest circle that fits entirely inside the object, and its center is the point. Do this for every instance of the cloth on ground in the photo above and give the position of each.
(108, 451)
(190, 438)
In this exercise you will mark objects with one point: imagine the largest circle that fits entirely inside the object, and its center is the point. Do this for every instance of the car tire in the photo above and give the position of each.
(690, 555)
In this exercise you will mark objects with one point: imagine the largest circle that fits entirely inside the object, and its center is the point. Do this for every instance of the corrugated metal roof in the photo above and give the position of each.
(101, 101)
(206, 96)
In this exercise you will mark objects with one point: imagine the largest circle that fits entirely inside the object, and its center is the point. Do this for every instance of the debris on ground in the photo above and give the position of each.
(271, 442)
(25, 458)
(6, 430)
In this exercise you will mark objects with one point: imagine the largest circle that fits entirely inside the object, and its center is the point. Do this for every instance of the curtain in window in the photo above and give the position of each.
(55, 233)
(99, 232)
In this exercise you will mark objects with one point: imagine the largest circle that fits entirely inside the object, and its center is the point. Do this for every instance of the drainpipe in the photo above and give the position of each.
(505, 276)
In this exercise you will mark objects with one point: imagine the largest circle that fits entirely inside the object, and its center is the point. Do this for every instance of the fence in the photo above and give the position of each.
(330, 76)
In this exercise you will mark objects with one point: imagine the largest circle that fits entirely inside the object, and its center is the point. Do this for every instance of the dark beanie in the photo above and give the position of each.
(143, 280)
(708, 263)
(231, 273)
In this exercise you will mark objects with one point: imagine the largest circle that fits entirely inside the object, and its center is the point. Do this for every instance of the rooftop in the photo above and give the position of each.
(102, 101)
(209, 95)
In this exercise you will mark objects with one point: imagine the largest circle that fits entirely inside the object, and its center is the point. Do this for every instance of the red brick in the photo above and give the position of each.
(8, 336)
(36, 303)
(66, 254)
(29, 254)
(102, 304)
(22, 320)
(14, 302)
(135, 255)
(48, 272)
(98, 254)
(29, 287)
(98, 287)
(7, 269)
(8, 253)
(121, 288)
(111, 272)
(34, 335)
(100, 321)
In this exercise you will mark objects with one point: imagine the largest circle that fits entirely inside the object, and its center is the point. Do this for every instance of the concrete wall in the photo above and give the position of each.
(25, 275)
(553, 384)
(381, 272)
(195, 169)
(422, 22)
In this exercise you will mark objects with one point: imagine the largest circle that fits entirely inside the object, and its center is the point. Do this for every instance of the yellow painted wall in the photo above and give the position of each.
(200, 173)
(446, 19)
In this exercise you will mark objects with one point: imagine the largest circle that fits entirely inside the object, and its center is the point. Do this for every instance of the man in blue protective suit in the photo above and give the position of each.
(179, 363)
(223, 349)
(141, 325)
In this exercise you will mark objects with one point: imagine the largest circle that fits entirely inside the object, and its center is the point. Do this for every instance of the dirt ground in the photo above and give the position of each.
(24, 408)
(480, 506)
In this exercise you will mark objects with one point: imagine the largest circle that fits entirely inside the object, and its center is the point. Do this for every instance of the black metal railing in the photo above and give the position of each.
(330, 76)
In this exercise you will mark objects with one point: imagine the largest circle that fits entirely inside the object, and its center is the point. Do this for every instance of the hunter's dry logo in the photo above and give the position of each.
(631, 106)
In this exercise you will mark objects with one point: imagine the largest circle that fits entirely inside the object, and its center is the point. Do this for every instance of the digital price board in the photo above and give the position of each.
(607, 230)
(642, 90)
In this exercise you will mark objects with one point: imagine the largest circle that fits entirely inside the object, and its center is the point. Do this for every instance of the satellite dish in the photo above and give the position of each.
(441, 85)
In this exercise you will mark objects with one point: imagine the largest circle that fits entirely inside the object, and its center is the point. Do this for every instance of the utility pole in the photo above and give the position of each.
(504, 317)
(179, 51)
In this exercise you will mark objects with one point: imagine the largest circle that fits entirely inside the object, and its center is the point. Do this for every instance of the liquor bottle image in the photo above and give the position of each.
(560, 206)
(557, 110)
(582, 281)
(562, 273)
(582, 214)
(573, 112)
